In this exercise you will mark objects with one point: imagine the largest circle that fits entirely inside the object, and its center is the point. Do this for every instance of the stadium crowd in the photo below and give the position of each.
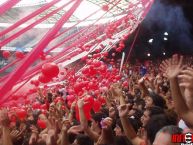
(154, 104)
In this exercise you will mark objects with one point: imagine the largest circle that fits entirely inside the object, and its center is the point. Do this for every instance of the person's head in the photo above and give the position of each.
(164, 89)
(155, 100)
(149, 112)
(140, 104)
(96, 119)
(164, 136)
(82, 139)
(137, 90)
(49, 97)
(132, 112)
(154, 125)
(52, 108)
(172, 116)
(119, 128)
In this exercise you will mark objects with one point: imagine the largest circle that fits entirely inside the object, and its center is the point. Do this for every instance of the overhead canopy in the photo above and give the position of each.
(87, 6)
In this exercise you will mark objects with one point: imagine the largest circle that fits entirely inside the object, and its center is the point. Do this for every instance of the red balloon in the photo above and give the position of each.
(44, 107)
(86, 112)
(117, 77)
(50, 70)
(41, 124)
(48, 56)
(32, 82)
(97, 92)
(102, 99)
(36, 105)
(103, 68)
(110, 43)
(84, 58)
(105, 54)
(97, 106)
(97, 63)
(85, 71)
(78, 87)
(36, 83)
(105, 7)
(19, 54)
(21, 113)
(44, 79)
(125, 84)
(6, 54)
(42, 56)
(71, 91)
(113, 54)
(89, 101)
(59, 99)
(70, 98)
(92, 71)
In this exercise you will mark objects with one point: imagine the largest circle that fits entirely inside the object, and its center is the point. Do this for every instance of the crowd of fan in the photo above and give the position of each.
(154, 106)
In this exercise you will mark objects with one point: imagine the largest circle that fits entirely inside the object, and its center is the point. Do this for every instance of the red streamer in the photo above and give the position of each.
(33, 55)
(132, 45)
(65, 50)
(84, 31)
(16, 35)
(27, 18)
(7, 5)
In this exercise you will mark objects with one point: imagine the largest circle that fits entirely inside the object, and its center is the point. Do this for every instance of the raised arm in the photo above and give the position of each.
(144, 89)
(6, 138)
(64, 137)
(127, 127)
(84, 122)
(107, 132)
(172, 68)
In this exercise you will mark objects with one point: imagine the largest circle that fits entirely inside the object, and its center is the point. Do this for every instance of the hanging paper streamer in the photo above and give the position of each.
(14, 92)
(33, 55)
(83, 39)
(7, 5)
(68, 38)
(84, 31)
(133, 44)
(27, 18)
(16, 35)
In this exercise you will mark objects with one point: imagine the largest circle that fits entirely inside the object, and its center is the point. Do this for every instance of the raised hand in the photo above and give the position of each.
(4, 119)
(15, 135)
(80, 103)
(34, 135)
(117, 89)
(53, 130)
(75, 129)
(172, 67)
(186, 77)
(106, 123)
(73, 105)
(66, 125)
(123, 110)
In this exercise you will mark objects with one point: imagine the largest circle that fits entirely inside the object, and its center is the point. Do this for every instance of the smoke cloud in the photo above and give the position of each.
(171, 18)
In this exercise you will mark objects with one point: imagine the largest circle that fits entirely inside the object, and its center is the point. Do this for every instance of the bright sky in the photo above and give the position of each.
(85, 7)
